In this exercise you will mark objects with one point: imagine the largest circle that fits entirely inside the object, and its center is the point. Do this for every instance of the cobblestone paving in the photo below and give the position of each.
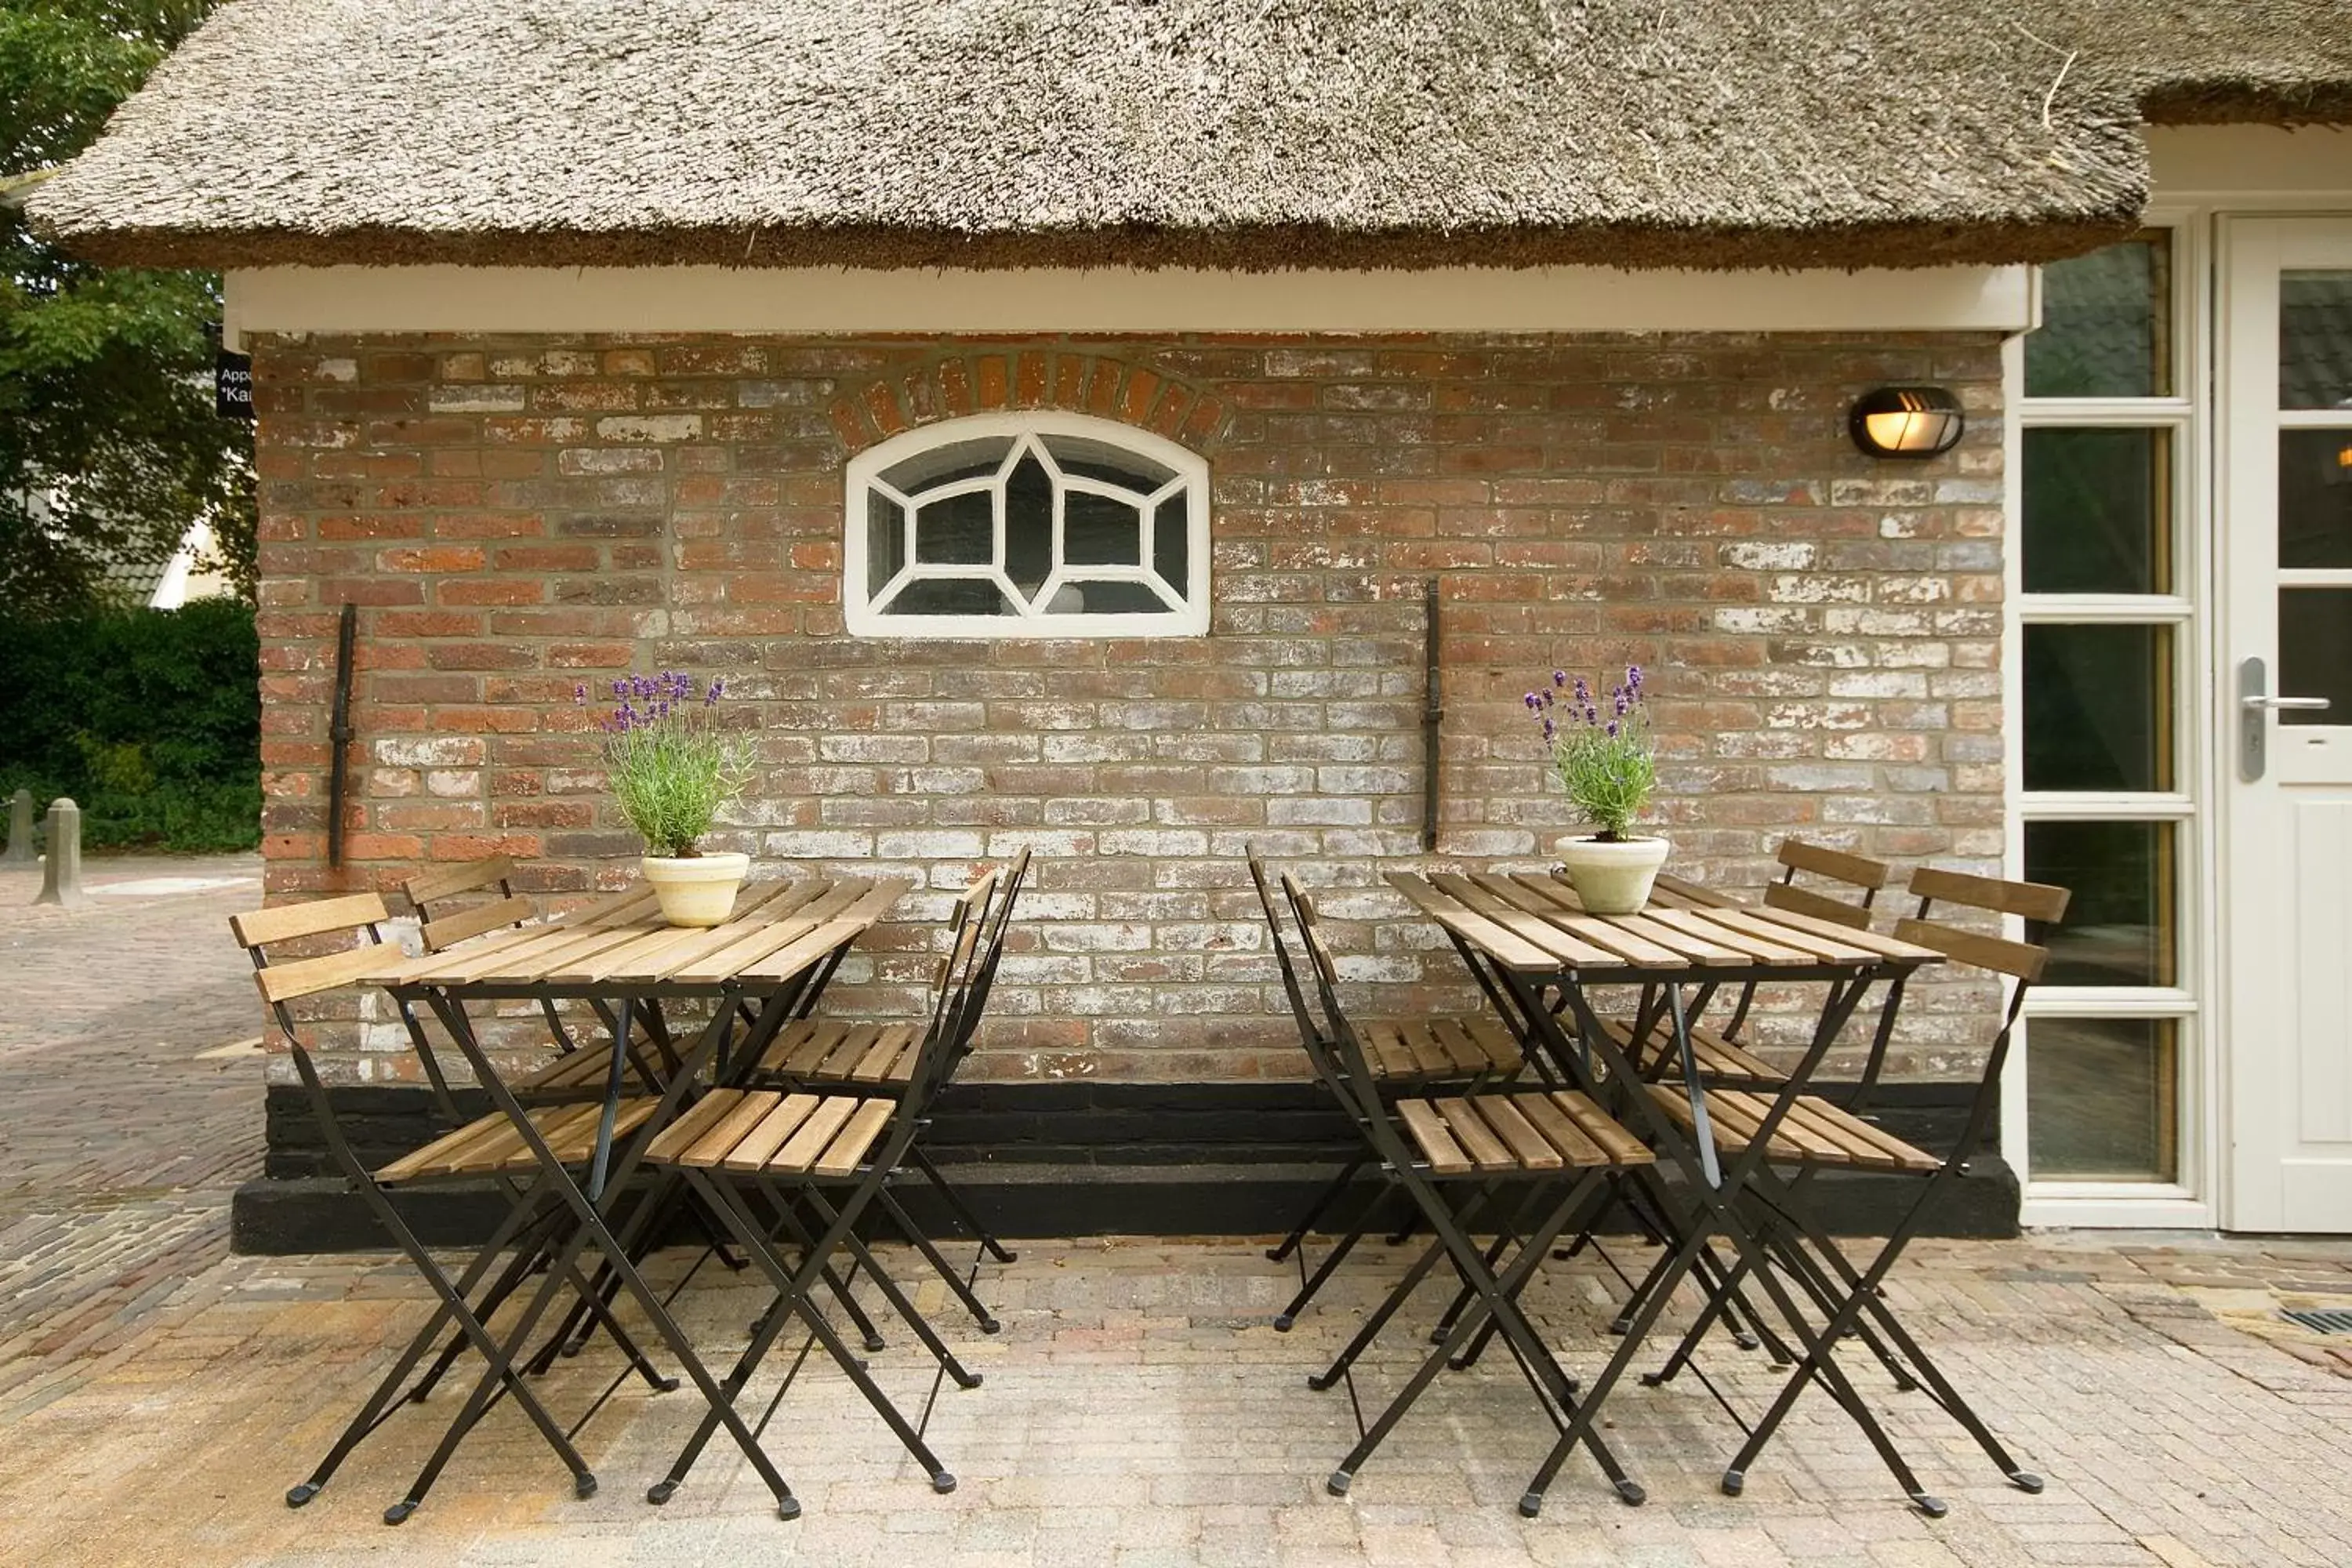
(119, 1145)
(157, 1395)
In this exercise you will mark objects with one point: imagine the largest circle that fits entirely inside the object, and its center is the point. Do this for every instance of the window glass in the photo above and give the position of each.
(950, 596)
(2106, 324)
(2102, 1099)
(2314, 498)
(1171, 539)
(2099, 707)
(2099, 512)
(1100, 532)
(2119, 929)
(2315, 339)
(886, 542)
(957, 532)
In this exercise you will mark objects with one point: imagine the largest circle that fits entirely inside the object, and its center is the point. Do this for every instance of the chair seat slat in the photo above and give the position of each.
(1530, 1148)
(847, 1151)
(824, 1120)
(1435, 1143)
(786, 1113)
(1470, 1130)
(691, 1125)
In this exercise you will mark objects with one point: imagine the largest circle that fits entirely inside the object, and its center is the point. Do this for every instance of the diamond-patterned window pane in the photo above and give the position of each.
(1049, 521)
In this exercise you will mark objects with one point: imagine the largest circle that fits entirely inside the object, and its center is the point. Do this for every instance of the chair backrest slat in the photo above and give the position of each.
(1855, 870)
(1310, 1031)
(2037, 901)
(1303, 907)
(430, 886)
(467, 924)
(1821, 905)
(257, 928)
(987, 923)
(305, 976)
(2018, 960)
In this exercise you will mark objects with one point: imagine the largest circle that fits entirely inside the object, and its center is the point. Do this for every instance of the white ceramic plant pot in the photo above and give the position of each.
(698, 890)
(1612, 879)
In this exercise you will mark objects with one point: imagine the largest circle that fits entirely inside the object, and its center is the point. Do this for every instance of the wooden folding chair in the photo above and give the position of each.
(1818, 1135)
(490, 1147)
(1534, 1160)
(826, 1055)
(789, 1147)
(1406, 1055)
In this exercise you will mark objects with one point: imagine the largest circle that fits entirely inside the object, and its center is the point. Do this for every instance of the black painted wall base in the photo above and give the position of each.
(1062, 1159)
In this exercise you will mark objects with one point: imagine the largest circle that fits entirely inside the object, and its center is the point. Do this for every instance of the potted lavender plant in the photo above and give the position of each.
(1603, 755)
(673, 769)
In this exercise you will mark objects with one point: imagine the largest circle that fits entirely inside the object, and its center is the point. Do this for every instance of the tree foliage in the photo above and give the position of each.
(151, 721)
(109, 444)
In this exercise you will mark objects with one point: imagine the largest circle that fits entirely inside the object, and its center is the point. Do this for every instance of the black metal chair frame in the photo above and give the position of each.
(997, 893)
(958, 998)
(531, 1228)
(1850, 1298)
(1318, 1043)
(1549, 1203)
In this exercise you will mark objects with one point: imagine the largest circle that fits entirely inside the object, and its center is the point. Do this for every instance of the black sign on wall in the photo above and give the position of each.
(233, 385)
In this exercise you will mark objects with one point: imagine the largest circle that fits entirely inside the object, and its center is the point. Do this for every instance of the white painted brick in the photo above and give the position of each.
(457, 397)
(649, 428)
(440, 751)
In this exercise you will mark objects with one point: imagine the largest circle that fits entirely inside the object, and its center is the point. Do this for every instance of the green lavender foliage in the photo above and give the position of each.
(672, 767)
(1602, 751)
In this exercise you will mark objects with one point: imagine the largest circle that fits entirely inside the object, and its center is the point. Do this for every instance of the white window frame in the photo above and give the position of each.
(2184, 413)
(1027, 430)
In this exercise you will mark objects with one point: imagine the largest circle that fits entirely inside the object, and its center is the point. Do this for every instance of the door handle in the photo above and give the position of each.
(2254, 706)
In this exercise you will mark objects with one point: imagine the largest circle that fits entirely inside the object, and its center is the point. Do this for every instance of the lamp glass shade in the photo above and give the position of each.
(1907, 422)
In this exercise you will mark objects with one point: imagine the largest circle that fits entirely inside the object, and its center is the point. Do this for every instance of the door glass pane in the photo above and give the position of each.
(2314, 339)
(2106, 324)
(2120, 929)
(2099, 512)
(2100, 1099)
(2314, 498)
(2315, 652)
(2099, 707)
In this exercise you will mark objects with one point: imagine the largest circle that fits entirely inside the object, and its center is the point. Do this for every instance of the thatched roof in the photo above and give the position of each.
(1252, 133)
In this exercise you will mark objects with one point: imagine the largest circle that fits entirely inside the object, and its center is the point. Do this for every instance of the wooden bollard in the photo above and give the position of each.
(20, 830)
(61, 869)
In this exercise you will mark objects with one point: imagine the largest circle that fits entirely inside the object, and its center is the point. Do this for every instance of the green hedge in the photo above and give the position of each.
(151, 719)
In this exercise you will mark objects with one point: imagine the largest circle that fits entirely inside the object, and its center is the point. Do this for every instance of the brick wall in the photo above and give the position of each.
(520, 516)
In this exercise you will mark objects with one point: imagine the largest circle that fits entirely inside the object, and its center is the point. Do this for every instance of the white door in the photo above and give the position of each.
(2285, 646)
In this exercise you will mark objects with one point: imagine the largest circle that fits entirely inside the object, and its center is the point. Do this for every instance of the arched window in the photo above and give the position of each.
(1027, 525)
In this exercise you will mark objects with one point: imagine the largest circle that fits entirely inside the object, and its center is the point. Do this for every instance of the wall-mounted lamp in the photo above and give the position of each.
(1907, 422)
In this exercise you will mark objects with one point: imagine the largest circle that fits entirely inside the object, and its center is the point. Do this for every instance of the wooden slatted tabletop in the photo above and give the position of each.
(1533, 923)
(621, 943)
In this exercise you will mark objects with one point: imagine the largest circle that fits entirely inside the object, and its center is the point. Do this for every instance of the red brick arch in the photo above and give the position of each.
(988, 382)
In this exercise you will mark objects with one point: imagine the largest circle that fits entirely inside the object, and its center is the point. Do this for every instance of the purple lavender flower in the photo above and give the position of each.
(1559, 677)
(1611, 731)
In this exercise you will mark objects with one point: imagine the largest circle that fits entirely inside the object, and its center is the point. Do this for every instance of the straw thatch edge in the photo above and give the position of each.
(1848, 247)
